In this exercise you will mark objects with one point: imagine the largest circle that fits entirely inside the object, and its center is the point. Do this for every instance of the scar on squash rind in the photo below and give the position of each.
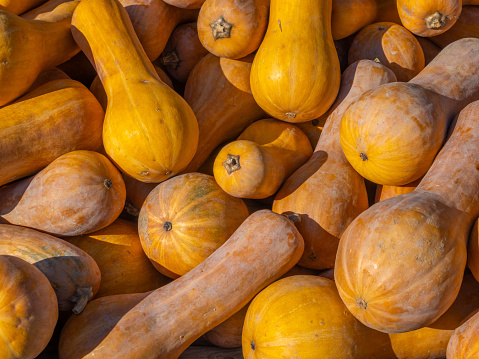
(361, 303)
(436, 20)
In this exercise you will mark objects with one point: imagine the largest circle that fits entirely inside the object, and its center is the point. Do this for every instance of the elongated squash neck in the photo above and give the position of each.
(117, 61)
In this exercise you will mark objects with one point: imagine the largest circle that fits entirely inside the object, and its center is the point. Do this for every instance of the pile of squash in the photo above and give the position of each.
(239, 179)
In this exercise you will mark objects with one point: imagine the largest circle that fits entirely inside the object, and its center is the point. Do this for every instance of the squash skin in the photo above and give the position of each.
(463, 343)
(48, 9)
(339, 192)
(56, 118)
(29, 309)
(182, 52)
(424, 107)
(137, 191)
(124, 266)
(219, 92)
(466, 26)
(190, 305)
(436, 218)
(79, 192)
(430, 49)
(204, 352)
(72, 273)
(394, 47)
(286, 88)
(428, 18)
(186, 4)
(385, 192)
(231, 28)
(185, 219)
(156, 140)
(19, 6)
(473, 251)
(265, 154)
(21, 39)
(315, 325)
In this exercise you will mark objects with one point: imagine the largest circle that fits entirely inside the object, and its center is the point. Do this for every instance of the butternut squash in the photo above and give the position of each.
(463, 343)
(296, 88)
(149, 131)
(173, 316)
(48, 9)
(19, 6)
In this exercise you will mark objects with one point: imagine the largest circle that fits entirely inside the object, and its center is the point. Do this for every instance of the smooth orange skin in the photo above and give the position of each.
(150, 132)
(423, 107)
(182, 52)
(51, 120)
(394, 47)
(29, 309)
(303, 316)
(463, 343)
(296, 88)
(48, 9)
(19, 6)
(326, 191)
(313, 129)
(415, 240)
(79, 192)
(385, 192)
(72, 273)
(249, 19)
(219, 92)
(413, 14)
(201, 216)
(165, 322)
(473, 251)
(466, 26)
(124, 266)
(47, 76)
(269, 152)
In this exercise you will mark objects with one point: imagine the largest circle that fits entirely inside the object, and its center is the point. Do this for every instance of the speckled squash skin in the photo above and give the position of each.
(415, 240)
(429, 17)
(185, 219)
(391, 134)
(157, 139)
(296, 88)
(165, 322)
(29, 309)
(464, 343)
(326, 191)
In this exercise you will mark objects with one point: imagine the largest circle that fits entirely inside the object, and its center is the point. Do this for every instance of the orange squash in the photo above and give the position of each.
(410, 251)
(173, 316)
(391, 134)
(22, 38)
(349, 16)
(473, 251)
(204, 352)
(46, 76)
(50, 8)
(124, 266)
(385, 192)
(391, 44)
(185, 219)
(55, 118)
(136, 191)
(296, 88)
(313, 129)
(72, 273)
(19, 6)
(316, 324)
(259, 161)
(326, 191)
(466, 26)
(159, 137)
(218, 90)
(154, 21)
(463, 343)
(428, 17)
(430, 49)
(232, 29)
(187, 4)
(182, 52)
(29, 309)
(79, 192)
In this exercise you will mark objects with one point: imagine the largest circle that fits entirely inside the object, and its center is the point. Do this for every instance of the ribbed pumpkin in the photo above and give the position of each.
(149, 131)
(185, 219)
(296, 88)
(400, 263)
(391, 134)
(390, 44)
(259, 161)
(303, 316)
(29, 309)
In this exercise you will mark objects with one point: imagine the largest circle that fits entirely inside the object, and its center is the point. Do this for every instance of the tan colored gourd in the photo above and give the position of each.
(165, 322)
(28, 309)
(72, 273)
(326, 191)
(218, 90)
(410, 250)
(296, 88)
(79, 192)
(391, 134)
(21, 39)
(259, 161)
(150, 132)
(55, 118)
(231, 28)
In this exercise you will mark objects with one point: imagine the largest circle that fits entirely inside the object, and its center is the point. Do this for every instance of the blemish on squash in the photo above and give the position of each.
(361, 303)
(290, 114)
(363, 156)
(171, 60)
(253, 346)
(167, 226)
(436, 20)
(280, 28)
(144, 173)
(108, 183)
